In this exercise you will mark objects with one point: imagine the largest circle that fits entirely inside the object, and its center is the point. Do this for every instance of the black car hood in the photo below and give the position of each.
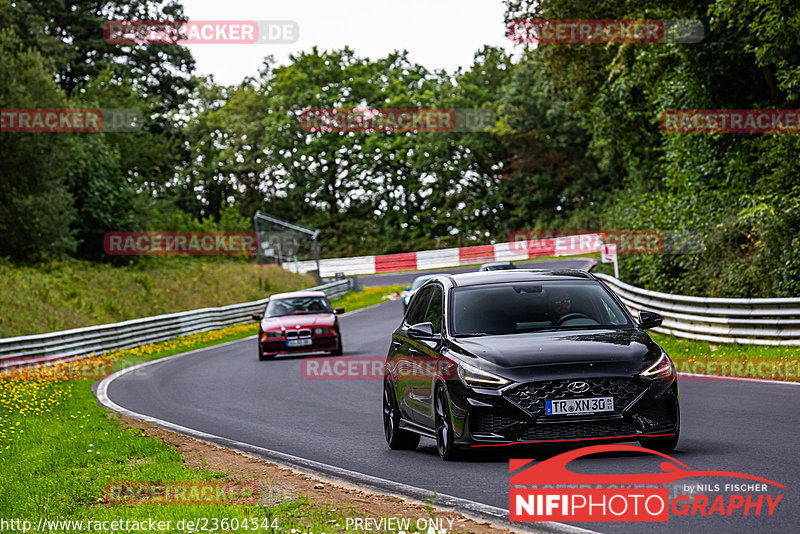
(600, 351)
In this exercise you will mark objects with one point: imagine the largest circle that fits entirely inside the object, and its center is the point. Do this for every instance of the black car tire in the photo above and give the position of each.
(660, 444)
(445, 435)
(397, 438)
(339, 350)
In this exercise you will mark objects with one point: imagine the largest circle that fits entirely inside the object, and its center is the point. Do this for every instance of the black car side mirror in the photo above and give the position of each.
(256, 316)
(422, 331)
(338, 311)
(649, 319)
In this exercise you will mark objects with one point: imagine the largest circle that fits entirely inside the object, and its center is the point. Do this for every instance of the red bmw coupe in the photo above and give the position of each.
(302, 321)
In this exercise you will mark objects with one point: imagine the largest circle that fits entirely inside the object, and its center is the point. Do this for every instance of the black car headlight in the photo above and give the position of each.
(475, 378)
(265, 335)
(662, 369)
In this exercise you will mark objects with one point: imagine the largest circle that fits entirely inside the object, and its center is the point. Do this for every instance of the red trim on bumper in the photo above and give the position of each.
(572, 439)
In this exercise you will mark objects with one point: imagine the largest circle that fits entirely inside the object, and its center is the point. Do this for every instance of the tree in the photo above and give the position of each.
(37, 208)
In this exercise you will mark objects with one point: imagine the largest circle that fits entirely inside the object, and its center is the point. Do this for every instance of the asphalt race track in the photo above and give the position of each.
(742, 426)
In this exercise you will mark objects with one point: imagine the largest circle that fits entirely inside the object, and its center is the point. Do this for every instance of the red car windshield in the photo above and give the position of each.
(297, 306)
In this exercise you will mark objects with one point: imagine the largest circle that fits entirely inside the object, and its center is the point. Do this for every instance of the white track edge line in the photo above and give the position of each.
(456, 503)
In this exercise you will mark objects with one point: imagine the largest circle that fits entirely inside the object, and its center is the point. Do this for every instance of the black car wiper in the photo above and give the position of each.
(475, 334)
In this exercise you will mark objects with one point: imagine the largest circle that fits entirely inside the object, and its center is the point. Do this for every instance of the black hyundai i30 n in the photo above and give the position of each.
(526, 356)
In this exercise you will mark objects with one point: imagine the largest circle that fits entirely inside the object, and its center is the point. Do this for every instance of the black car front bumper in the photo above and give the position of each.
(516, 414)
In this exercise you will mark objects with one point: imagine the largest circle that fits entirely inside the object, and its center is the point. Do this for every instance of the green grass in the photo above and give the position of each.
(59, 449)
(65, 450)
(73, 294)
(368, 297)
(702, 357)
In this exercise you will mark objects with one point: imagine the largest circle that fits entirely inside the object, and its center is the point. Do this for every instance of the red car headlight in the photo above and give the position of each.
(266, 335)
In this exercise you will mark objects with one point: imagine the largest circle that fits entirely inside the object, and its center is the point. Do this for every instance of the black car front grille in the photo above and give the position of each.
(531, 396)
(599, 429)
(487, 422)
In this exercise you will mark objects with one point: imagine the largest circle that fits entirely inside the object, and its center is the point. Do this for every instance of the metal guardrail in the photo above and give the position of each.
(760, 321)
(43, 348)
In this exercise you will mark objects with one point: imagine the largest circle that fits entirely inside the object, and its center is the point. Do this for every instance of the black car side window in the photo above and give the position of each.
(419, 305)
(435, 310)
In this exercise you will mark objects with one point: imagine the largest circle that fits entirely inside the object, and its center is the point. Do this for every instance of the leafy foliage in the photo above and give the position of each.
(577, 144)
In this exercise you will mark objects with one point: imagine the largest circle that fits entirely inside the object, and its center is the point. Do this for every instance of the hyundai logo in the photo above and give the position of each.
(578, 387)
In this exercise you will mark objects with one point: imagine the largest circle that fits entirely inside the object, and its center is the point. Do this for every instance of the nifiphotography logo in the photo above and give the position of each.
(550, 491)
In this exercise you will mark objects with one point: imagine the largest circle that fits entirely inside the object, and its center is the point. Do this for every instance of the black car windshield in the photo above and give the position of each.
(511, 308)
(297, 306)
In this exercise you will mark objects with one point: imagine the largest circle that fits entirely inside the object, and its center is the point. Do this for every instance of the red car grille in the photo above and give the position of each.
(294, 334)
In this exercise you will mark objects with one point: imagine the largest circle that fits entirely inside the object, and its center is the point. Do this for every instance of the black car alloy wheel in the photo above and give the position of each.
(444, 430)
(395, 437)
